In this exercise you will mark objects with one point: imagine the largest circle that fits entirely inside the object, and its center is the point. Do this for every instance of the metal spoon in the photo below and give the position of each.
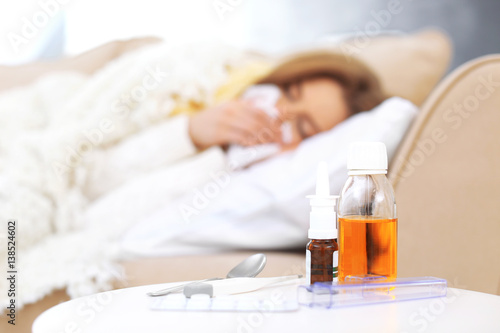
(250, 267)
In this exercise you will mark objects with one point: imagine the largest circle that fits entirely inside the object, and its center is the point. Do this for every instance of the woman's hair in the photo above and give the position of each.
(358, 96)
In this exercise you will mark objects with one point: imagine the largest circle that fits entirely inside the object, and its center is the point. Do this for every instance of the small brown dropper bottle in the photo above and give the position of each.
(322, 249)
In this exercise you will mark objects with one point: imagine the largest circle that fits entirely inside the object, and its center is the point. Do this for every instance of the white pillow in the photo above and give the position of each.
(264, 206)
(290, 178)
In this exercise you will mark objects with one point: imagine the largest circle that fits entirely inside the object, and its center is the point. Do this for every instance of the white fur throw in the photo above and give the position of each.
(46, 131)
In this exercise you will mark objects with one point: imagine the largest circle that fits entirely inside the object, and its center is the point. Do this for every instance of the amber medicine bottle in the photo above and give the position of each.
(322, 249)
(367, 218)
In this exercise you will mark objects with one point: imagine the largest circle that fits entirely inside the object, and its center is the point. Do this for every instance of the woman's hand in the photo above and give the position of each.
(233, 122)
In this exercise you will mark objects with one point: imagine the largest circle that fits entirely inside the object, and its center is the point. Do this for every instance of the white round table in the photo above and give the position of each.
(127, 310)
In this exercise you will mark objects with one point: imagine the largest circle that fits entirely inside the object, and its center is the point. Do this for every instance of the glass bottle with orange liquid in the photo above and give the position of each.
(367, 218)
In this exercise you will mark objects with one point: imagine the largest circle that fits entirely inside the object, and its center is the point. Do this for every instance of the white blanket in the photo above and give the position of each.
(50, 130)
(265, 205)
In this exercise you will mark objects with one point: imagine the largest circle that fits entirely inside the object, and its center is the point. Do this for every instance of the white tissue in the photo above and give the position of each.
(264, 97)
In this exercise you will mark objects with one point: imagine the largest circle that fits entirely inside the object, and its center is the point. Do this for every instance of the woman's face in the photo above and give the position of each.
(312, 106)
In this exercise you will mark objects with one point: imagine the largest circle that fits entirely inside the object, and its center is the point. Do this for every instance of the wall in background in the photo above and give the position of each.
(270, 26)
(473, 25)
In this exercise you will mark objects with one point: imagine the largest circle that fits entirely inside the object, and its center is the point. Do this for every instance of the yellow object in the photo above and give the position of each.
(239, 79)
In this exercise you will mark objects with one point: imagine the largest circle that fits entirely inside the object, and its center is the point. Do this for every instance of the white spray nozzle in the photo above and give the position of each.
(323, 218)
(322, 180)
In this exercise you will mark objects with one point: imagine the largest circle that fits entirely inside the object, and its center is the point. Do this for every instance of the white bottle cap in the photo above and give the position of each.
(323, 218)
(367, 158)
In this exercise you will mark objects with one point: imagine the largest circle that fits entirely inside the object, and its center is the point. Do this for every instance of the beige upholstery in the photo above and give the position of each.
(408, 66)
(446, 177)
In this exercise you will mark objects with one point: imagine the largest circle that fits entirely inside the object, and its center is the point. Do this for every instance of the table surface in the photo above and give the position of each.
(127, 310)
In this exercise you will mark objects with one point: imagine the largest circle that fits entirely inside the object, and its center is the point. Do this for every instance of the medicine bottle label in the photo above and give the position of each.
(335, 266)
(332, 269)
(308, 267)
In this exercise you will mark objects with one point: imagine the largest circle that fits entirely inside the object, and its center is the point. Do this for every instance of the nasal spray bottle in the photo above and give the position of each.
(367, 217)
(322, 249)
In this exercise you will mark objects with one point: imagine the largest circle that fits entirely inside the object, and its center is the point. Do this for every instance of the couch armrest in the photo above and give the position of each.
(446, 176)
